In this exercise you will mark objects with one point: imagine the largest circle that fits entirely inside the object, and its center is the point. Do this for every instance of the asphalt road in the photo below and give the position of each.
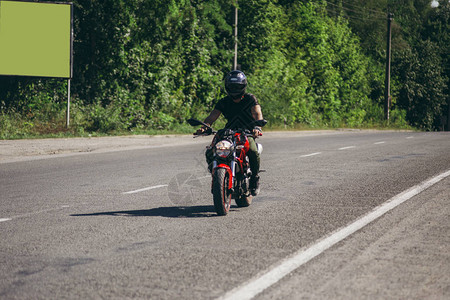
(139, 224)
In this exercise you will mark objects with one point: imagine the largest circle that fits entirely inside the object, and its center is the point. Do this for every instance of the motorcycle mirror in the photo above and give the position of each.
(194, 122)
(260, 123)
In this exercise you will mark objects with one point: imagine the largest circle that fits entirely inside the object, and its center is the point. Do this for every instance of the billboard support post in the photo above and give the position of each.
(68, 104)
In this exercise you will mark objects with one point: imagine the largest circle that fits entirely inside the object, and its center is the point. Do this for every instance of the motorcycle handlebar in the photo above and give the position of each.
(206, 133)
(247, 134)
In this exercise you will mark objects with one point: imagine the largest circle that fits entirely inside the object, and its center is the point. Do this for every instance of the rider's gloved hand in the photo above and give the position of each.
(201, 131)
(257, 131)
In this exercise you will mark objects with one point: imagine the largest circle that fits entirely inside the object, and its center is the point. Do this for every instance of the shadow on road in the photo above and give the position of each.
(202, 211)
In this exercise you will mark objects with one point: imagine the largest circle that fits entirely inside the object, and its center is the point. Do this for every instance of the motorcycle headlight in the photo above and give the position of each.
(223, 148)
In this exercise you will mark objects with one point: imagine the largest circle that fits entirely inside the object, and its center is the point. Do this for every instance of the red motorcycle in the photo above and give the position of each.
(230, 168)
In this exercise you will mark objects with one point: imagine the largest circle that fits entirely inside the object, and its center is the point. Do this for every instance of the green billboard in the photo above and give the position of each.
(36, 39)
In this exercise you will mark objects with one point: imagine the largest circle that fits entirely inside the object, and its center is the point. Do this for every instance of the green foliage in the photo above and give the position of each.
(149, 65)
(422, 92)
(421, 69)
(420, 44)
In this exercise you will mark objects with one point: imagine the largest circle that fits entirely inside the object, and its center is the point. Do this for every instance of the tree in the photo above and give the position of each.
(422, 91)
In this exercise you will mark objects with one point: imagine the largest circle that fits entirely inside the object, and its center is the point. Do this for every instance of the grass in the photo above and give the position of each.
(49, 121)
(22, 129)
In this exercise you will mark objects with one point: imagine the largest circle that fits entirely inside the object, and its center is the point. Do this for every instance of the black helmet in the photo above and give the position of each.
(235, 84)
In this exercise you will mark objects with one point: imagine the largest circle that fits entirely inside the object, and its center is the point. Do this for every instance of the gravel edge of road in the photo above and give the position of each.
(32, 149)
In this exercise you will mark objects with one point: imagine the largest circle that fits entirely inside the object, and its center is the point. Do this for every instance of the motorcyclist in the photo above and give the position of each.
(240, 109)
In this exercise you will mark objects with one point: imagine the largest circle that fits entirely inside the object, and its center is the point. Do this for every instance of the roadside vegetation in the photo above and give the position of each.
(144, 67)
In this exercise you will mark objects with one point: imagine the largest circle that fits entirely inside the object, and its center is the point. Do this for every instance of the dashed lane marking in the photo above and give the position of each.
(33, 213)
(146, 189)
(346, 148)
(311, 154)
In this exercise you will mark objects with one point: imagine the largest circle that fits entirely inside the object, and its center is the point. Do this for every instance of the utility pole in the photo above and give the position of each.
(235, 34)
(387, 90)
(448, 115)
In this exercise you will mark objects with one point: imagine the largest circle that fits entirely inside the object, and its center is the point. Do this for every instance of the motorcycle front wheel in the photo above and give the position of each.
(221, 194)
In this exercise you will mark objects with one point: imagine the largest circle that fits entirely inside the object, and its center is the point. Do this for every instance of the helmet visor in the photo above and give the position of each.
(235, 89)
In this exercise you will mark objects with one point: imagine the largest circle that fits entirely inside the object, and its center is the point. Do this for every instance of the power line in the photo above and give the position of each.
(365, 8)
(354, 11)
(338, 13)
(349, 9)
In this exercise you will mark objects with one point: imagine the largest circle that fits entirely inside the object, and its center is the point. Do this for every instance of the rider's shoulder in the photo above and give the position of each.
(222, 101)
(251, 98)
(225, 99)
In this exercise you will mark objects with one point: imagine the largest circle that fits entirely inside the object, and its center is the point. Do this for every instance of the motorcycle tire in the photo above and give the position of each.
(221, 194)
(244, 201)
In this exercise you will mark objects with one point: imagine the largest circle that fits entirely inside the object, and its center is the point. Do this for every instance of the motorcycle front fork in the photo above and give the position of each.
(233, 172)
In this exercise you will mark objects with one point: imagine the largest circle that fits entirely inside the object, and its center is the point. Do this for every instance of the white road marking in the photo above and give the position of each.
(146, 189)
(379, 143)
(33, 213)
(312, 154)
(259, 284)
(410, 137)
(345, 148)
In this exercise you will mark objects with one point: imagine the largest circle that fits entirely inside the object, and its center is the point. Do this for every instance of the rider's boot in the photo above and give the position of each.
(254, 185)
